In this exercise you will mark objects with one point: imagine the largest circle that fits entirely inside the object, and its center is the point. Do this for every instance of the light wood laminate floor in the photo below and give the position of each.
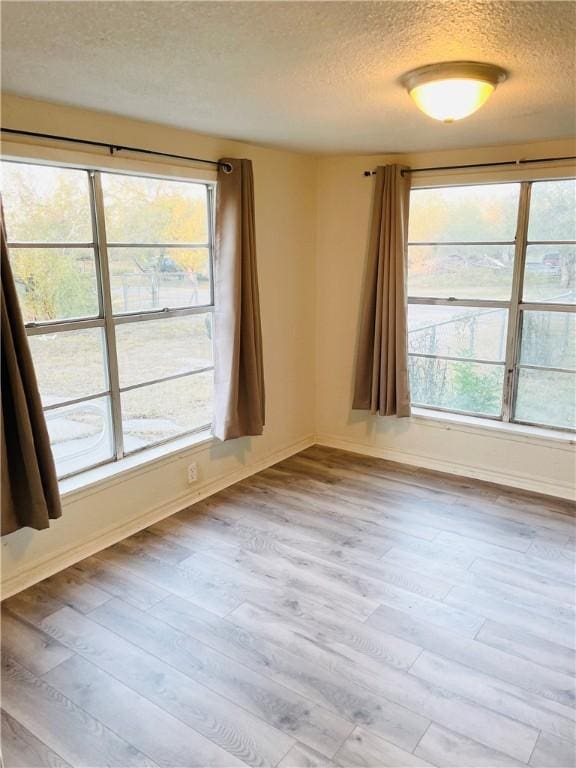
(333, 610)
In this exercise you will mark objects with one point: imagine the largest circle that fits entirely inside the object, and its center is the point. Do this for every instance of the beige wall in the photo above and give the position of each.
(343, 209)
(312, 220)
(285, 231)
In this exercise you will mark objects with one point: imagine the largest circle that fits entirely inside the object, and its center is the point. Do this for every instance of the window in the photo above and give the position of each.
(114, 275)
(492, 301)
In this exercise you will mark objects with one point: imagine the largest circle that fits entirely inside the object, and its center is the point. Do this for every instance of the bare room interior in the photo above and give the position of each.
(288, 334)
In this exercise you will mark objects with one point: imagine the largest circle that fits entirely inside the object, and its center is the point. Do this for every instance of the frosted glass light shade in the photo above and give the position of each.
(452, 91)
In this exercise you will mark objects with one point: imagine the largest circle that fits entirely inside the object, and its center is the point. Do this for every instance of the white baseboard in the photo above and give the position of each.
(513, 480)
(66, 556)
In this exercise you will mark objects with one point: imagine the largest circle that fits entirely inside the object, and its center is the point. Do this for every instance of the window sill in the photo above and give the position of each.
(88, 482)
(497, 428)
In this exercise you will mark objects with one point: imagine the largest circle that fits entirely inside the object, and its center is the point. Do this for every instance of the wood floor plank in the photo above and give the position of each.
(521, 643)
(328, 580)
(525, 674)
(561, 564)
(118, 582)
(553, 589)
(214, 592)
(373, 582)
(246, 737)
(488, 566)
(548, 551)
(493, 694)
(544, 504)
(463, 620)
(259, 534)
(356, 501)
(320, 580)
(293, 520)
(271, 701)
(451, 750)
(541, 517)
(433, 484)
(216, 534)
(345, 517)
(156, 546)
(423, 562)
(21, 749)
(455, 553)
(502, 604)
(64, 727)
(522, 597)
(215, 583)
(340, 695)
(29, 645)
(448, 516)
(433, 702)
(167, 740)
(552, 752)
(72, 589)
(342, 634)
(451, 512)
(365, 749)
(333, 610)
(301, 756)
(354, 506)
(33, 604)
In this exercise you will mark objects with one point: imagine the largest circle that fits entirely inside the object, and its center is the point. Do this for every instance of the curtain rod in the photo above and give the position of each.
(116, 147)
(479, 165)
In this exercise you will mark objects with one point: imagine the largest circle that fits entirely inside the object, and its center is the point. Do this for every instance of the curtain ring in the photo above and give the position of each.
(227, 167)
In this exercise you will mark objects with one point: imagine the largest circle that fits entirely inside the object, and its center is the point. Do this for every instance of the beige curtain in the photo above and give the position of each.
(30, 494)
(239, 373)
(381, 384)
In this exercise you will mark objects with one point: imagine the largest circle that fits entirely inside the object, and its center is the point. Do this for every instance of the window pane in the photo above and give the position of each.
(46, 205)
(471, 387)
(141, 210)
(69, 364)
(155, 278)
(80, 435)
(461, 271)
(464, 214)
(457, 331)
(553, 210)
(546, 397)
(549, 339)
(162, 411)
(157, 348)
(55, 283)
(550, 274)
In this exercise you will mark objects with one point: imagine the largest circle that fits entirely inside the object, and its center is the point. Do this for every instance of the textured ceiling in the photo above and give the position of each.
(317, 76)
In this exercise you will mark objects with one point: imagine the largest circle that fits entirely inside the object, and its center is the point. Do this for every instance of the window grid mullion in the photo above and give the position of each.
(162, 379)
(455, 359)
(536, 306)
(159, 245)
(76, 401)
(162, 314)
(515, 314)
(211, 240)
(62, 326)
(429, 243)
(47, 246)
(104, 271)
(453, 302)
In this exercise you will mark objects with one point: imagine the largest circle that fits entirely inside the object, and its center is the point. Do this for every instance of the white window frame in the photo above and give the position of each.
(107, 319)
(515, 307)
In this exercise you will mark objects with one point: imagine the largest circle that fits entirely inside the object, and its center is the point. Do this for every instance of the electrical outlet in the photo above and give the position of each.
(192, 472)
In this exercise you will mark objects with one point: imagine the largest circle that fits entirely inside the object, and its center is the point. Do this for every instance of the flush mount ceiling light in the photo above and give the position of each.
(452, 90)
